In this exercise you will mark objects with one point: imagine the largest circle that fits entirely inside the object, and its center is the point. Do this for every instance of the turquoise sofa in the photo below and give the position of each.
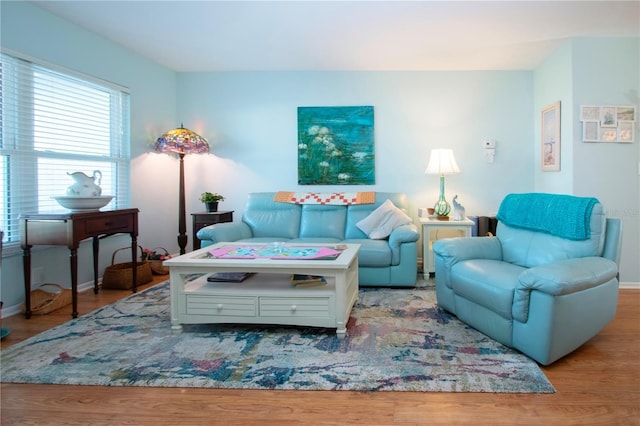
(388, 262)
(545, 284)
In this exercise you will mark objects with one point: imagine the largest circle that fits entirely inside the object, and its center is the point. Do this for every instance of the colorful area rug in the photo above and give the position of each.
(397, 340)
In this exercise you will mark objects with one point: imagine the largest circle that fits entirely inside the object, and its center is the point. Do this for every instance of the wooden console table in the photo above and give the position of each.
(70, 229)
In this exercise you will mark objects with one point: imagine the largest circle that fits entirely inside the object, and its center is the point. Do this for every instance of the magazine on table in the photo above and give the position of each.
(234, 277)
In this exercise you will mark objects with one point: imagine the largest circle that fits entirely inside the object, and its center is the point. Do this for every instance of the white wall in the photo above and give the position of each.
(552, 82)
(611, 172)
(251, 123)
(576, 74)
(28, 30)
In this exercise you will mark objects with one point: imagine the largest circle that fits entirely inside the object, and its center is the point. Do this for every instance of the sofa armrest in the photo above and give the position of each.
(401, 235)
(404, 234)
(560, 278)
(226, 231)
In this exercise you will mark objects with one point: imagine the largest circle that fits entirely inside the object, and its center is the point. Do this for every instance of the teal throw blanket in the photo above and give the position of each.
(565, 216)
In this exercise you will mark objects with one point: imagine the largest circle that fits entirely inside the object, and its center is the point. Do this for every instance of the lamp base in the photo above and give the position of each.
(442, 208)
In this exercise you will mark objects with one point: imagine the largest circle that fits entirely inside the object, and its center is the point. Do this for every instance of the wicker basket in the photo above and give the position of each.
(45, 300)
(156, 265)
(120, 275)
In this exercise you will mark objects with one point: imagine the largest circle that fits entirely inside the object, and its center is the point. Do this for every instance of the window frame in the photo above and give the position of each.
(19, 156)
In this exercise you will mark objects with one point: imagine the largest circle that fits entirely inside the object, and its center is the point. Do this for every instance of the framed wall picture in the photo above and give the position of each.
(590, 131)
(608, 123)
(626, 131)
(626, 113)
(608, 117)
(608, 134)
(550, 138)
(336, 145)
(589, 113)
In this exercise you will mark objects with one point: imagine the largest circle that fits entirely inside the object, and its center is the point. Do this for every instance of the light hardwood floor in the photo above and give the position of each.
(599, 384)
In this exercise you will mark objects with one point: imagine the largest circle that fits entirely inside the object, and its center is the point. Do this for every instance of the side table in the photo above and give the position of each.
(434, 229)
(69, 229)
(202, 219)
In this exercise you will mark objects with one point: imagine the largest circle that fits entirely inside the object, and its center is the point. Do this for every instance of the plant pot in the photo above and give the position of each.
(212, 207)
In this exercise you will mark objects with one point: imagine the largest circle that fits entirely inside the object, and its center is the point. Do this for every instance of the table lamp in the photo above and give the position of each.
(442, 162)
(181, 141)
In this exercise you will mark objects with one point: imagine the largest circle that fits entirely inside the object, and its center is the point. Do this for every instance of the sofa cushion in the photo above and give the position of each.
(490, 283)
(323, 221)
(383, 220)
(271, 220)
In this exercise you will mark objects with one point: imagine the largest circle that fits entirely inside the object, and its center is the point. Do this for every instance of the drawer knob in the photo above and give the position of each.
(219, 307)
(293, 308)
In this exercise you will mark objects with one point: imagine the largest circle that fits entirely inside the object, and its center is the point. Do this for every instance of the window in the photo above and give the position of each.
(54, 122)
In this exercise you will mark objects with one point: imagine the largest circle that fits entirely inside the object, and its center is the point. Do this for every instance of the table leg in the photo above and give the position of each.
(177, 285)
(134, 262)
(341, 302)
(26, 266)
(96, 245)
(73, 256)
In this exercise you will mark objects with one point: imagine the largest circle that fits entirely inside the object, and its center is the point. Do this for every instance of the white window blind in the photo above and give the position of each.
(54, 122)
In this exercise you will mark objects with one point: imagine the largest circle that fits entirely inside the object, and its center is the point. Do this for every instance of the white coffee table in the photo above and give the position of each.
(266, 297)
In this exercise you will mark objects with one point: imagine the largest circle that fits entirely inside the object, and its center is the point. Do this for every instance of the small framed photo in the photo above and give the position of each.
(550, 138)
(608, 116)
(626, 113)
(590, 131)
(626, 131)
(608, 134)
(589, 113)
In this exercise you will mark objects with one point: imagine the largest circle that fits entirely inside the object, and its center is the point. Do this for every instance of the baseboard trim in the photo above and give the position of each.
(629, 285)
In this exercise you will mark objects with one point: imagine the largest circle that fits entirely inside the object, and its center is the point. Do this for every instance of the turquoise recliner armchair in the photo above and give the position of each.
(545, 284)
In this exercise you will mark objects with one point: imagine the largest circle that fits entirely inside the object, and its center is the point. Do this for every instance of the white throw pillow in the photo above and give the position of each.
(383, 220)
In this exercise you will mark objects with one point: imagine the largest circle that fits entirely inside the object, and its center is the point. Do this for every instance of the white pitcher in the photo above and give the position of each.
(85, 186)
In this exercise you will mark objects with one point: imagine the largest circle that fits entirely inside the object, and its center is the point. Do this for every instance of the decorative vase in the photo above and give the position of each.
(212, 206)
(442, 208)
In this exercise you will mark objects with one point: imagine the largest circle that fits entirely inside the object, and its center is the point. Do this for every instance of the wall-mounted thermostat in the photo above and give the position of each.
(489, 150)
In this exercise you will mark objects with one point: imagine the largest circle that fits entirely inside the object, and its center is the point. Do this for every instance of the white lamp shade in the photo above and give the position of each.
(442, 162)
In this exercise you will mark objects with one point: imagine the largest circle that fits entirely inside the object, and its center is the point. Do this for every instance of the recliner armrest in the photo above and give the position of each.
(560, 278)
(227, 231)
(449, 251)
(454, 250)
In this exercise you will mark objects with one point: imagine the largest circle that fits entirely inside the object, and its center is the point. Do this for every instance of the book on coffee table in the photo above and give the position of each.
(303, 280)
(233, 277)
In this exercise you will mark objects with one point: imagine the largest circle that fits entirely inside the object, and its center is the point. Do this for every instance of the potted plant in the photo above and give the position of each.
(210, 200)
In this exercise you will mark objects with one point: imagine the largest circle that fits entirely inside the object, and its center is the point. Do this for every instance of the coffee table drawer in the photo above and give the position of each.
(295, 306)
(221, 305)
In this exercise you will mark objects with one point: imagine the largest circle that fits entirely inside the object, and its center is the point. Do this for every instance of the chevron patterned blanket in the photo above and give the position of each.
(326, 198)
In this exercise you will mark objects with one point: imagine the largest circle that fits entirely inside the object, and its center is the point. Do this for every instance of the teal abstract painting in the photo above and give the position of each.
(336, 146)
